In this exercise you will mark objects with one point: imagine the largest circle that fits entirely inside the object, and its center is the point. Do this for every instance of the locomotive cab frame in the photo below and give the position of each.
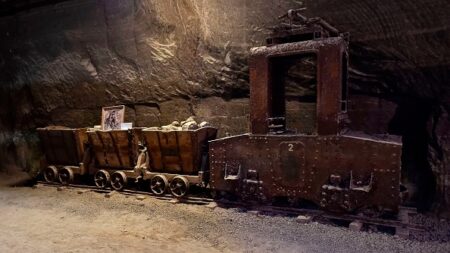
(267, 93)
(335, 171)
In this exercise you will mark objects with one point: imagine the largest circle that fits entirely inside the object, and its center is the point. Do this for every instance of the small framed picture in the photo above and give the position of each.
(113, 117)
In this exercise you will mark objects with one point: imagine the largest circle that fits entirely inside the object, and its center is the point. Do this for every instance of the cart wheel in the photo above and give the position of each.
(179, 186)
(158, 184)
(65, 176)
(118, 180)
(50, 174)
(102, 179)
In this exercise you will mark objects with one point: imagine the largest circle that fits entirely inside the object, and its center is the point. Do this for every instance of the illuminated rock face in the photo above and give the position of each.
(165, 59)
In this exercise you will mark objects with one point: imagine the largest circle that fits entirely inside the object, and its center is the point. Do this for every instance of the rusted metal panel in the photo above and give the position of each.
(291, 161)
(259, 90)
(338, 173)
(177, 152)
(329, 87)
(63, 146)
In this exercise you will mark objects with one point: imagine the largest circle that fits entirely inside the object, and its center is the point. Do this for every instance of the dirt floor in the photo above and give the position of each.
(46, 220)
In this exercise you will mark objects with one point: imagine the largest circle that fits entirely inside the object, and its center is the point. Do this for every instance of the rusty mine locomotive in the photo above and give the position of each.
(314, 159)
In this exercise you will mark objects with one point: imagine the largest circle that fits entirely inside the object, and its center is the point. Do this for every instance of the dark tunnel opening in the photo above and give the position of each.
(410, 121)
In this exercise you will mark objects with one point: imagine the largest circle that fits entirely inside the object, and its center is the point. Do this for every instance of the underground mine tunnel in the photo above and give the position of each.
(334, 112)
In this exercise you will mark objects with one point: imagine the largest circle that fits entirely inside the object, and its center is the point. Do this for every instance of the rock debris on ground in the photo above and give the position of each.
(43, 219)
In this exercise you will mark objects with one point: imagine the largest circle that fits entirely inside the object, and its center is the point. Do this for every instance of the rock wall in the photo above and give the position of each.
(167, 59)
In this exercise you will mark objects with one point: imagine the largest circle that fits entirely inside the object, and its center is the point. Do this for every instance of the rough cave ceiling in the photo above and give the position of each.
(398, 47)
(11, 7)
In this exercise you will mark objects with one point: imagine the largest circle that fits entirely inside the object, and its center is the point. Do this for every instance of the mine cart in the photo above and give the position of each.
(114, 153)
(66, 153)
(310, 156)
(177, 159)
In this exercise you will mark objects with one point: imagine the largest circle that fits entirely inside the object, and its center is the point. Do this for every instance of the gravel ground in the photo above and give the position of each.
(436, 229)
(46, 220)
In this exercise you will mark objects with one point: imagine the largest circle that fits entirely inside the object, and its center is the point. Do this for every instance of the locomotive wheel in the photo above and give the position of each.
(118, 180)
(179, 186)
(214, 194)
(65, 176)
(102, 179)
(50, 174)
(158, 184)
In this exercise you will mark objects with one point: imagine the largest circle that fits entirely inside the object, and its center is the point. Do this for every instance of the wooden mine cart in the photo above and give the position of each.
(177, 159)
(66, 153)
(115, 153)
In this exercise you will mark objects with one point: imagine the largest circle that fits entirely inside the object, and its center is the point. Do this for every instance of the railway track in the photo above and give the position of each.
(401, 226)
(131, 192)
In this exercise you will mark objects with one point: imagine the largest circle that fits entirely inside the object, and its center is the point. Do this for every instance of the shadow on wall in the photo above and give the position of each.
(410, 121)
(20, 158)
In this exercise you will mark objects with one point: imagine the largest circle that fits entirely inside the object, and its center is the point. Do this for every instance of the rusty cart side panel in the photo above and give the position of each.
(338, 173)
(63, 146)
(115, 149)
(177, 152)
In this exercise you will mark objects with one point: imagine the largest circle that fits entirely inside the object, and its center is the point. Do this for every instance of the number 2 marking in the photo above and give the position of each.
(291, 147)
